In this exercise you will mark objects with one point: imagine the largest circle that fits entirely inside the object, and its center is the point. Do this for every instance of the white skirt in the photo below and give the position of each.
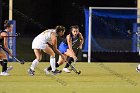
(37, 44)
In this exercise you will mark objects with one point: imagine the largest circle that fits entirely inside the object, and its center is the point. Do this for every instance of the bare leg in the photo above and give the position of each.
(60, 60)
(49, 51)
(38, 55)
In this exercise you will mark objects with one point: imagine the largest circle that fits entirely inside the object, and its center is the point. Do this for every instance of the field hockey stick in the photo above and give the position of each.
(20, 61)
(74, 69)
(16, 35)
(76, 55)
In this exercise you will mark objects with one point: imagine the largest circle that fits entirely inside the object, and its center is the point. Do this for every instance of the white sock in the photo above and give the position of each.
(52, 63)
(34, 64)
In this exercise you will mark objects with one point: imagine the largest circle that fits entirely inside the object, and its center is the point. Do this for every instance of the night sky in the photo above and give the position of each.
(33, 16)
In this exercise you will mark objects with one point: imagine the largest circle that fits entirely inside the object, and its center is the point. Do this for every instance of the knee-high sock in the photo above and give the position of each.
(70, 59)
(52, 63)
(34, 64)
(1, 62)
(56, 65)
(4, 66)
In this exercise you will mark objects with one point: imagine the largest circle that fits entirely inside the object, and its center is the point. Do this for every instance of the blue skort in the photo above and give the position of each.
(63, 47)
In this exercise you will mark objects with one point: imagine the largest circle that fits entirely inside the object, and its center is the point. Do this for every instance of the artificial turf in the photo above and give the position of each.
(95, 78)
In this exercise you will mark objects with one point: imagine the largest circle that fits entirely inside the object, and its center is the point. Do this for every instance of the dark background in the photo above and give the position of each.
(34, 16)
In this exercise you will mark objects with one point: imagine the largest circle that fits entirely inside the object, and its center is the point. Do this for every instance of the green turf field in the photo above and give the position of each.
(95, 78)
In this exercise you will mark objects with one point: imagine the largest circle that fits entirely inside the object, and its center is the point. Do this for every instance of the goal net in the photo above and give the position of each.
(110, 30)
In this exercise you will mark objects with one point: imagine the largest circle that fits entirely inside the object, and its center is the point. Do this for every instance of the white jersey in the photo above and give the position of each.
(40, 41)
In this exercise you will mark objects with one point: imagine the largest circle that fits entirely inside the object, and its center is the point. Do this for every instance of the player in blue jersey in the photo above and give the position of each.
(77, 43)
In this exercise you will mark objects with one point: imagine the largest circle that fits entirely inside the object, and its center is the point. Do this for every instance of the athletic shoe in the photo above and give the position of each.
(56, 72)
(47, 71)
(4, 74)
(137, 69)
(31, 72)
(66, 70)
(9, 68)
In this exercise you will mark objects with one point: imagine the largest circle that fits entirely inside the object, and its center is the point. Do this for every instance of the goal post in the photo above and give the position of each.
(89, 34)
(10, 9)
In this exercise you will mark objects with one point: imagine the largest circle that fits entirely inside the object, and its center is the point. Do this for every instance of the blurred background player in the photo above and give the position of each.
(65, 47)
(41, 42)
(4, 48)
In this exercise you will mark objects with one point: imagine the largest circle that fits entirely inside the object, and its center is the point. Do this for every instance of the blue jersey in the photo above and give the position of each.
(64, 45)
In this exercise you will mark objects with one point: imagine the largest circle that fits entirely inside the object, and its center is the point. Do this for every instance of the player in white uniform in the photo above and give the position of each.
(41, 42)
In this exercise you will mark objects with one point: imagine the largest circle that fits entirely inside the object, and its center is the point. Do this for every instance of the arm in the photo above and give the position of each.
(81, 40)
(54, 45)
(69, 41)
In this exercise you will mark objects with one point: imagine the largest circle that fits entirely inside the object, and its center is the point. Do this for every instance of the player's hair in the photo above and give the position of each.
(6, 24)
(59, 29)
(74, 26)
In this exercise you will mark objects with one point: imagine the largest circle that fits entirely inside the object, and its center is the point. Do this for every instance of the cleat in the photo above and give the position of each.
(4, 74)
(56, 72)
(47, 71)
(31, 72)
(66, 70)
